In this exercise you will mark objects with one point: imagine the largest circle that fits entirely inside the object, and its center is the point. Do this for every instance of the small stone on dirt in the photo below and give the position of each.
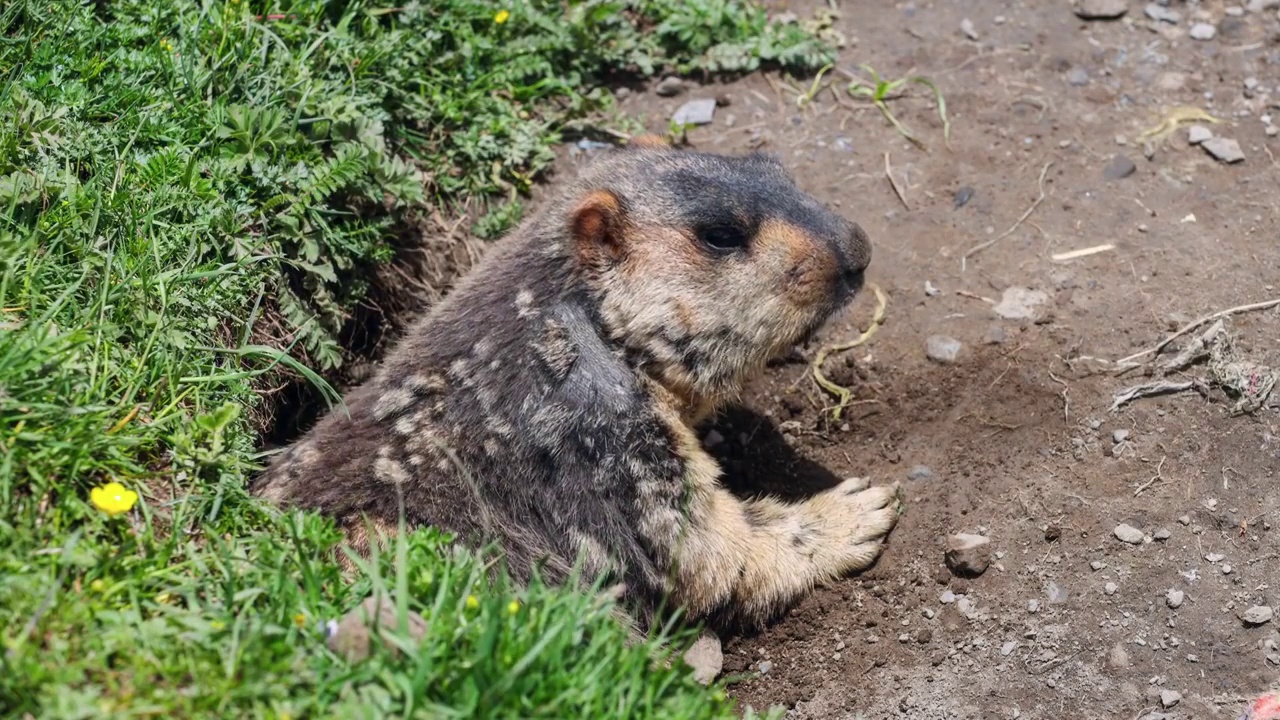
(1101, 9)
(1128, 534)
(1057, 594)
(920, 472)
(765, 667)
(942, 349)
(966, 27)
(1111, 588)
(695, 112)
(1119, 168)
(1097, 565)
(995, 335)
(1223, 149)
(968, 555)
(1184, 520)
(1202, 31)
(1019, 303)
(1257, 615)
(1169, 698)
(1078, 77)
(962, 197)
(1033, 606)
(669, 86)
(1197, 134)
(1162, 534)
(1174, 598)
(1007, 649)
(930, 290)
(1119, 435)
(1118, 657)
(947, 597)
(706, 658)
(1160, 13)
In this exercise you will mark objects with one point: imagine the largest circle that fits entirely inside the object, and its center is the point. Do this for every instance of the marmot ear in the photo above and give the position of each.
(597, 225)
(649, 141)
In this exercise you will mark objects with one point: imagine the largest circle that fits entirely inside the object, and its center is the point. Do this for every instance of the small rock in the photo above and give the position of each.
(1118, 657)
(1078, 77)
(1007, 649)
(1184, 520)
(1101, 9)
(1257, 6)
(1097, 565)
(695, 112)
(1128, 534)
(1162, 534)
(1019, 303)
(1202, 31)
(966, 27)
(962, 197)
(705, 657)
(1223, 149)
(1119, 435)
(669, 86)
(765, 667)
(1033, 606)
(1119, 168)
(1197, 134)
(995, 335)
(1174, 598)
(920, 472)
(1169, 698)
(1057, 594)
(1257, 615)
(1215, 558)
(930, 290)
(1111, 588)
(351, 635)
(968, 555)
(1160, 13)
(1226, 569)
(947, 597)
(942, 349)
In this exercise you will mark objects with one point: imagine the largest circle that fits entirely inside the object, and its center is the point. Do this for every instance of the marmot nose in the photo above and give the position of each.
(854, 250)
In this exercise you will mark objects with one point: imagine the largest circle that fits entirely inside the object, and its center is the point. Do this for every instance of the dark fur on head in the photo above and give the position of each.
(549, 401)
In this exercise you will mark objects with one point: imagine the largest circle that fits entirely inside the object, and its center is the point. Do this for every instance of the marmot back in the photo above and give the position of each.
(548, 403)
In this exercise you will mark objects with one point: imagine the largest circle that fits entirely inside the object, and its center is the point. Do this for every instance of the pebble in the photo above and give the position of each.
(1215, 557)
(1202, 31)
(1257, 615)
(765, 667)
(930, 290)
(1078, 77)
(706, 657)
(966, 27)
(1007, 649)
(1223, 149)
(995, 335)
(1169, 698)
(1019, 303)
(920, 472)
(1160, 13)
(1111, 588)
(1119, 657)
(1119, 435)
(1128, 534)
(1174, 598)
(695, 112)
(968, 555)
(1101, 9)
(1226, 569)
(1162, 534)
(942, 349)
(1033, 606)
(962, 197)
(1057, 595)
(947, 597)
(1184, 520)
(1097, 565)
(1119, 168)
(669, 86)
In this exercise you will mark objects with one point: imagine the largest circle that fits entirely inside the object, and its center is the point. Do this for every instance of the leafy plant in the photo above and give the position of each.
(880, 91)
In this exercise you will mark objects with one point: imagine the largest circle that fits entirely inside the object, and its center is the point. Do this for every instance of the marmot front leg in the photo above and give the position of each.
(751, 559)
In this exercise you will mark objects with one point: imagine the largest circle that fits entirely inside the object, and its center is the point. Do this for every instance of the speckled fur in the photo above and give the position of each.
(549, 403)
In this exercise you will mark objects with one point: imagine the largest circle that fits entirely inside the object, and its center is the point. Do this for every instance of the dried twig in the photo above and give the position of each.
(1158, 476)
(1083, 252)
(983, 246)
(1156, 388)
(888, 173)
(1265, 305)
(844, 393)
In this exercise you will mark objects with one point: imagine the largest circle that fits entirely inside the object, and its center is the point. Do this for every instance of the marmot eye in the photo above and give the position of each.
(723, 239)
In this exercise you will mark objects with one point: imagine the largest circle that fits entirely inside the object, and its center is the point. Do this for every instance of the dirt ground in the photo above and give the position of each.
(1014, 439)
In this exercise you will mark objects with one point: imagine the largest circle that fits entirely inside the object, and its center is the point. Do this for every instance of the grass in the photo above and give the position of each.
(196, 196)
(880, 91)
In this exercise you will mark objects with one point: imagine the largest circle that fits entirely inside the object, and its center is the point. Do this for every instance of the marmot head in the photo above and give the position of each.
(706, 266)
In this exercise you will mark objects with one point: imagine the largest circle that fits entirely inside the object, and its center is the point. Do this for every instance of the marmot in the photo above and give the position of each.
(549, 402)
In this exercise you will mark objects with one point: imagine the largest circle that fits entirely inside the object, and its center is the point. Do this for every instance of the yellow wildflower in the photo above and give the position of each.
(163, 598)
(299, 620)
(113, 498)
(97, 585)
(472, 602)
(513, 607)
(217, 625)
(502, 16)
(166, 46)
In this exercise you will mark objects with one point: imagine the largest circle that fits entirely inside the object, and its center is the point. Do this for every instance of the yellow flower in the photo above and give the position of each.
(163, 598)
(97, 585)
(513, 607)
(502, 16)
(472, 602)
(113, 498)
(299, 620)
(217, 625)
